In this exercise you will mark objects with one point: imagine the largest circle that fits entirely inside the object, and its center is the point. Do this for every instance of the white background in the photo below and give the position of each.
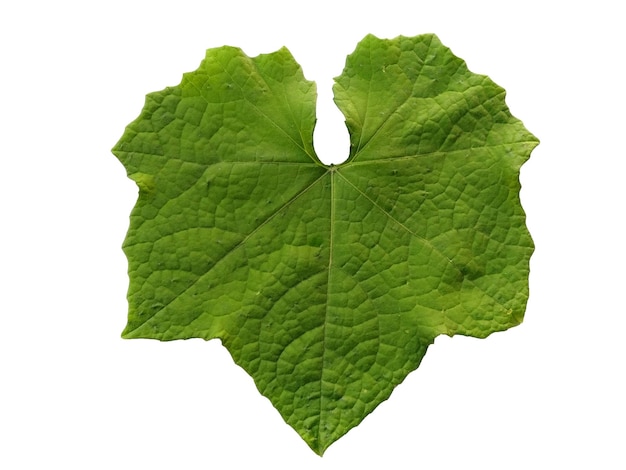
(548, 394)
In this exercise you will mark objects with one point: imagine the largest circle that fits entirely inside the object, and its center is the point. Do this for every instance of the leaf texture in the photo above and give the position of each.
(327, 284)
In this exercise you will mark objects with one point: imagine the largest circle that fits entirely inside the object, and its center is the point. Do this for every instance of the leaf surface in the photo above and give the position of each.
(327, 284)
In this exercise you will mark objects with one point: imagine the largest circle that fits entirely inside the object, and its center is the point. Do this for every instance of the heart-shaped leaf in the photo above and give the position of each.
(327, 283)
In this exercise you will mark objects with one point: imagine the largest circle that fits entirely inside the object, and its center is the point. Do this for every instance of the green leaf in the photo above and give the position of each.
(327, 283)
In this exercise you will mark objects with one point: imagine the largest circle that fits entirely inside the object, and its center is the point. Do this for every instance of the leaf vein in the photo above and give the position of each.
(234, 248)
(422, 239)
